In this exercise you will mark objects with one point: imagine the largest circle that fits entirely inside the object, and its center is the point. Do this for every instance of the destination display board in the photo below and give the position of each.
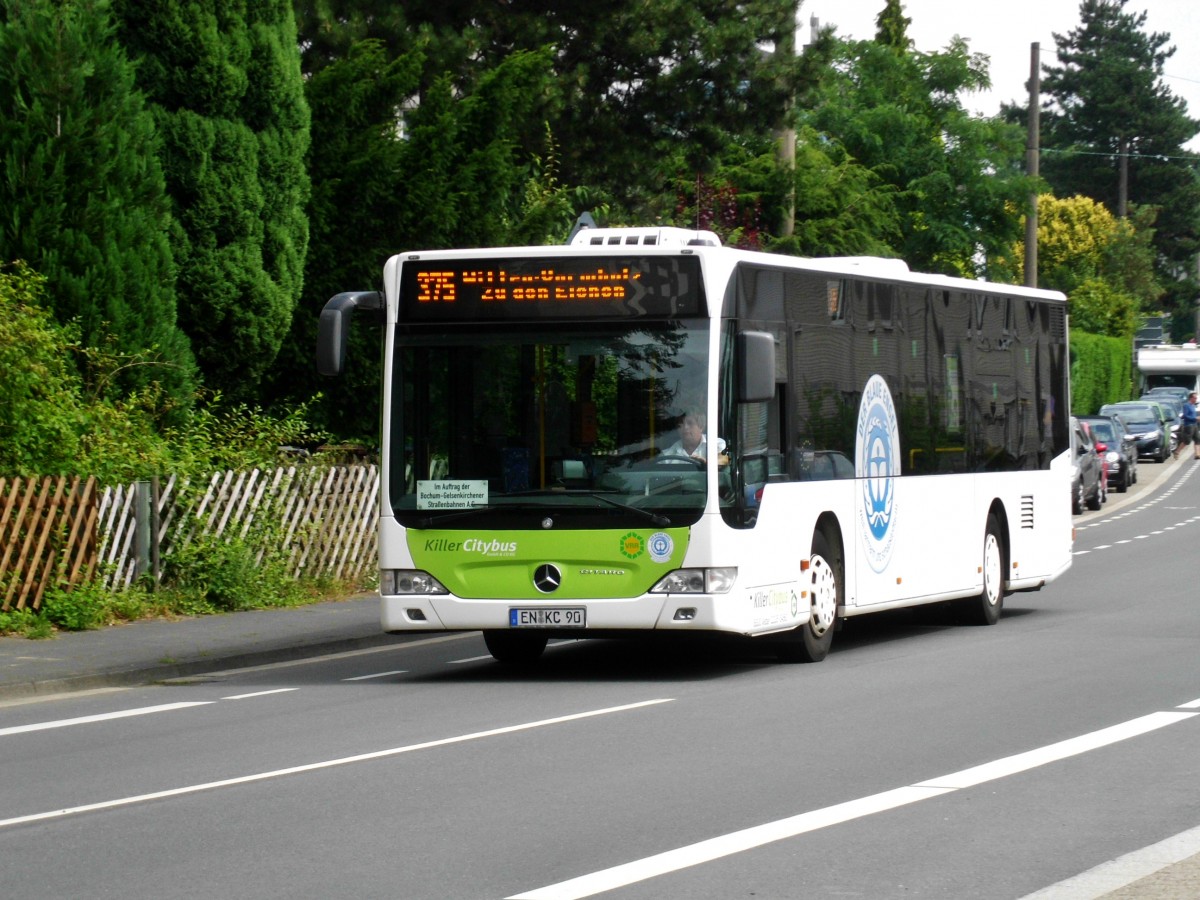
(559, 287)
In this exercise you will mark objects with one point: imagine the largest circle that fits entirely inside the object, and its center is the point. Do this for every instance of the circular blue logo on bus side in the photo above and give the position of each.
(661, 547)
(876, 464)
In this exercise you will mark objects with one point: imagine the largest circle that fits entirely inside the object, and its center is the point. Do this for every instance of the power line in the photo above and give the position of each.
(1160, 157)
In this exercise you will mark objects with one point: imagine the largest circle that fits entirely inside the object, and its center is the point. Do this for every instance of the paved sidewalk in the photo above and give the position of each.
(147, 651)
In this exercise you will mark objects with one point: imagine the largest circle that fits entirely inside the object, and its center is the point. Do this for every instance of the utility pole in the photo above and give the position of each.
(1032, 140)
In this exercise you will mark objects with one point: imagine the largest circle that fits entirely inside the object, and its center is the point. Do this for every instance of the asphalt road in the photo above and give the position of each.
(922, 759)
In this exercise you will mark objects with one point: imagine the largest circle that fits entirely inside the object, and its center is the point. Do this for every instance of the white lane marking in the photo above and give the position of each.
(260, 694)
(757, 836)
(1022, 762)
(325, 764)
(726, 845)
(376, 675)
(1124, 870)
(1191, 704)
(101, 717)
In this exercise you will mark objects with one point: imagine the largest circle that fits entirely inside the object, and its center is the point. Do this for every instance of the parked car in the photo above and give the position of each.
(1147, 424)
(1099, 449)
(1085, 486)
(1179, 393)
(1174, 410)
(1117, 447)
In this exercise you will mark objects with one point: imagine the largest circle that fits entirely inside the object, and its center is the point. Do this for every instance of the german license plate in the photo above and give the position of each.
(547, 617)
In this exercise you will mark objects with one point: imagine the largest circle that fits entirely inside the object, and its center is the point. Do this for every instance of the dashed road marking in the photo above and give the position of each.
(328, 764)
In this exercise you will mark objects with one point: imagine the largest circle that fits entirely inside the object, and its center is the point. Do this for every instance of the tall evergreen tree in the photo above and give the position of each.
(892, 27)
(82, 189)
(447, 173)
(1114, 132)
(223, 77)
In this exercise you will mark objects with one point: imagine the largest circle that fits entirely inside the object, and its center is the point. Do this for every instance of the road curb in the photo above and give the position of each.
(149, 674)
(136, 675)
(1136, 492)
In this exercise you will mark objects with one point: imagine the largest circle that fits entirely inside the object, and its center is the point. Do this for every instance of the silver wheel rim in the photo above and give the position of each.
(992, 573)
(823, 591)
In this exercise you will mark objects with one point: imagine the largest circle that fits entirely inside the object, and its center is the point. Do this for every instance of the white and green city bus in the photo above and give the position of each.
(873, 439)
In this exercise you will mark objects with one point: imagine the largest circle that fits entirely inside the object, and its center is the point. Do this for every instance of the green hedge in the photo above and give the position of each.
(1101, 371)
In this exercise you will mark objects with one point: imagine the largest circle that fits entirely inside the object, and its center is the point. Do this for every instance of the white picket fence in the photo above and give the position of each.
(323, 516)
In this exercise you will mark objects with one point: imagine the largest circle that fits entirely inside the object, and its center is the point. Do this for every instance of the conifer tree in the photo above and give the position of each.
(82, 189)
(224, 82)
(1114, 132)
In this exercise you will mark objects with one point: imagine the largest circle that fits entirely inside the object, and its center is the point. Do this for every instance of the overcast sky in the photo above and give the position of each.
(1005, 29)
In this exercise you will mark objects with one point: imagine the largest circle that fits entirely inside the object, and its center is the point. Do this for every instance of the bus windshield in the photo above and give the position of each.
(577, 425)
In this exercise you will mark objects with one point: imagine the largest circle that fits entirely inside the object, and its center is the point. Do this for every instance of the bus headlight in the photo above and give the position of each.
(697, 581)
(409, 581)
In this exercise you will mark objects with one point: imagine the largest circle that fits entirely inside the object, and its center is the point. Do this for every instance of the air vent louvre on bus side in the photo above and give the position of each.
(1027, 511)
(1058, 323)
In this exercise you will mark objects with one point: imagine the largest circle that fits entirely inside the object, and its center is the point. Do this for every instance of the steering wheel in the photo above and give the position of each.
(670, 461)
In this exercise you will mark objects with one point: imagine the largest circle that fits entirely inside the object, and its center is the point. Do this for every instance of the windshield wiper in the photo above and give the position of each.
(655, 518)
(660, 521)
(438, 519)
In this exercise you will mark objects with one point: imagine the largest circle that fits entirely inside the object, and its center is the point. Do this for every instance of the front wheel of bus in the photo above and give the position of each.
(810, 642)
(515, 647)
(985, 609)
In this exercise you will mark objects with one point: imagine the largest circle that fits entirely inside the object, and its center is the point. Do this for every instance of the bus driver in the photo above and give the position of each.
(691, 440)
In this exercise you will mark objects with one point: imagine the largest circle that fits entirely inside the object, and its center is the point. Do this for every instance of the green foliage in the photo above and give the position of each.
(224, 85)
(25, 622)
(220, 574)
(53, 422)
(455, 177)
(892, 27)
(842, 207)
(81, 186)
(210, 577)
(954, 177)
(1104, 264)
(1112, 121)
(219, 436)
(1098, 308)
(42, 414)
(80, 608)
(1101, 371)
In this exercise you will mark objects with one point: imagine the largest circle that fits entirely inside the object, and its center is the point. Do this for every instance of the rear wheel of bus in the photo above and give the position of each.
(822, 581)
(986, 607)
(515, 647)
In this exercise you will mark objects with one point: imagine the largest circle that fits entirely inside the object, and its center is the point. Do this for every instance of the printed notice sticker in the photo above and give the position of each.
(451, 494)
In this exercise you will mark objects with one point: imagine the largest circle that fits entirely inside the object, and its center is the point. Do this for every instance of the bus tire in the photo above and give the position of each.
(985, 608)
(810, 642)
(515, 647)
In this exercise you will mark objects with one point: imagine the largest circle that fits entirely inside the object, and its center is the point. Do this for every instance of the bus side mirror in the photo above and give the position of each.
(334, 327)
(756, 366)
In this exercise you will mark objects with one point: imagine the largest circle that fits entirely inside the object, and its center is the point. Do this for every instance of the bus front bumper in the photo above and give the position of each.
(681, 612)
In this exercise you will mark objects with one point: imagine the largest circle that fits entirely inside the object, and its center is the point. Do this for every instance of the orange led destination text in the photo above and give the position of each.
(500, 285)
